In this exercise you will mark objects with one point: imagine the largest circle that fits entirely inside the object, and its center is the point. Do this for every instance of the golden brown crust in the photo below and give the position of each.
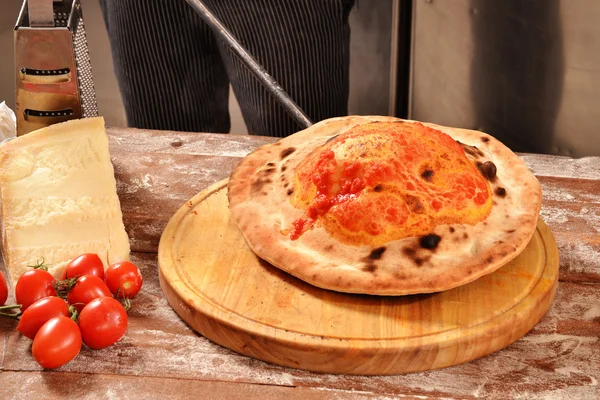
(259, 190)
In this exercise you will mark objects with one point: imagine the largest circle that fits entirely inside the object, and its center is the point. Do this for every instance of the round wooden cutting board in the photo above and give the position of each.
(226, 293)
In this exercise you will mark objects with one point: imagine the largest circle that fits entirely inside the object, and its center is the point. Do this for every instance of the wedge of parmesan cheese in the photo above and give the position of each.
(59, 198)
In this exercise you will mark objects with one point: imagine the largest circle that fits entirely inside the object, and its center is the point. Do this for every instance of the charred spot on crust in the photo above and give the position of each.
(331, 138)
(283, 168)
(290, 192)
(426, 171)
(371, 258)
(409, 251)
(287, 152)
(378, 188)
(430, 241)
(471, 150)
(465, 235)
(177, 143)
(377, 253)
(400, 275)
(258, 184)
(369, 268)
(485, 139)
(414, 204)
(510, 231)
(422, 260)
(427, 174)
(489, 260)
(488, 170)
(452, 230)
(270, 164)
(500, 191)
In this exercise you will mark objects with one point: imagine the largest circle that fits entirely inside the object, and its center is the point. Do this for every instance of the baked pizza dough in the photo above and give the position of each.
(384, 206)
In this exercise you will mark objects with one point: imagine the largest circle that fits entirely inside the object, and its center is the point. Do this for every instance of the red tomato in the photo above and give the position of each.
(39, 313)
(102, 322)
(33, 285)
(123, 279)
(3, 290)
(85, 264)
(86, 289)
(57, 342)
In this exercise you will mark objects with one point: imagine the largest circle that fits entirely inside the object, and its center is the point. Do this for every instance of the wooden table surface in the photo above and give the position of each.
(161, 357)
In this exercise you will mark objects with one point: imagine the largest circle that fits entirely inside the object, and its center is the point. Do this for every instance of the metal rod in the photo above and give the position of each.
(259, 72)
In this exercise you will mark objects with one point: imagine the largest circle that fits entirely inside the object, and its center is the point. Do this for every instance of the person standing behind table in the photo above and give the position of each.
(174, 74)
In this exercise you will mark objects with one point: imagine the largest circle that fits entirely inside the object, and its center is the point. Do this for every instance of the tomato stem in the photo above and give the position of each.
(74, 313)
(126, 304)
(10, 315)
(40, 265)
(64, 287)
(10, 307)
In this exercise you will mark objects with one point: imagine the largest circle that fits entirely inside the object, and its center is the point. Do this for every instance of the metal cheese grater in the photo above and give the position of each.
(53, 72)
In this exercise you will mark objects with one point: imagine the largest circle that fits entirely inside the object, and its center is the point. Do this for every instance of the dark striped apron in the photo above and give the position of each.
(173, 74)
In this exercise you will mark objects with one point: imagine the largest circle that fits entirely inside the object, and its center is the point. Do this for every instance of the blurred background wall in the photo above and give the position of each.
(526, 71)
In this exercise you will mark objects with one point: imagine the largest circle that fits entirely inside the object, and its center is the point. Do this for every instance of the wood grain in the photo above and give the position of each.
(557, 359)
(19, 386)
(217, 285)
(158, 171)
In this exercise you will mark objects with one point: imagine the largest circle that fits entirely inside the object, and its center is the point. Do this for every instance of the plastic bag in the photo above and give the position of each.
(8, 122)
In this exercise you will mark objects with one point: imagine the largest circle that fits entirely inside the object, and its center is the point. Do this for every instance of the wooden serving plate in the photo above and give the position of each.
(225, 292)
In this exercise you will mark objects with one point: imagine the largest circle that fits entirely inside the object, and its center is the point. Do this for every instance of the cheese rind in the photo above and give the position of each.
(59, 198)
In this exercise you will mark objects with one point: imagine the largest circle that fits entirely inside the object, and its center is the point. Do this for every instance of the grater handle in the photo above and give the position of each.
(254, 66)
(41, 13)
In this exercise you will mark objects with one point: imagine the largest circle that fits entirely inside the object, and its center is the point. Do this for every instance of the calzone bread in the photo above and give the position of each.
(384, 206)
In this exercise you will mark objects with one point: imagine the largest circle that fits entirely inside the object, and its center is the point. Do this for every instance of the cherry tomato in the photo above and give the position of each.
(39, 313)
(3, 290)
(85, 264)
(102, 322)
(123, 279)
(33, 285)
(86, 289)
(57, 342)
